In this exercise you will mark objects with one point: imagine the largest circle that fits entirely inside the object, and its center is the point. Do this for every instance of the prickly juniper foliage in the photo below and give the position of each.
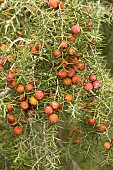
(55, 90)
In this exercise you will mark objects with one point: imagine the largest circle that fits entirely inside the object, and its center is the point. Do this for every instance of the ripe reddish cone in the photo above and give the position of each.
(68, 98)
(39, 95)
(91, 121)
(62, 74)
(75, 79)
(97, 84)
(48, 110)
(10, 77)
(102, 128)
(88, 86)
(67, 81)
(53, 118)
(29, 87)
(107, 145)
(24, 105)
(9, 107)
(80, 65)
(11, 118)
(12, 84)
(56, 53)
(55, 105)
(72, 51)
(20, 88)
(53, 3)
(64, 44)
(71, 73)
(75, 29)
(61, 5)
(17, 130)
(92, 77)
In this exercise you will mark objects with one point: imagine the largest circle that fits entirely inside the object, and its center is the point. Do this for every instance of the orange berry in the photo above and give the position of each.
(97, 84)
(62, 74)
(67, 81)
(57, 53)
(80, 65)
(9, 107)
(12, 84)
(11, 118)
(68, 98)
(61, 5)
(75, 29)
(17, 130)
(10, 77)
(53, 118)
(20, 88)
(107, 145)
(75, 79)
(55, 105)
(72, 51)
(29, 87)
(92, 77)
(53, 3)
(64, 44)
(24, 105)
(39, 95)
(48, 110)
(71, 73)
(91, 121)
(102, 128)
(33, 101)
(88, 86)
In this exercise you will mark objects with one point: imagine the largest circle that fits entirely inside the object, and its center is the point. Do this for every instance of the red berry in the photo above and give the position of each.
(92, 77)
(57, 53)
(91, 121)
(71, 73)
(48, 110)
(75, 29)
(88, 86)
(10, 77)
(53, 118)
(102, 128)
(97, 84)
(64, 44)
(80, 65)
(53, 3)
(17, 130)
(24, 105)
(55, 105)
(39, 95)
(62, 74)
(107, 145)
(11, 118)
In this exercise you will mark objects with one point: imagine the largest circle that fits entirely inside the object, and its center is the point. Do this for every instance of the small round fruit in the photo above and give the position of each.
(80, 82)
(75, 79)
(10, 77)
(12, 85)
(29, 87)
(11, 118)
(24, 105)
(22, 97)
(91, 121)
(72, 51)
(71, 38)
(53, 118)
(107, 145)
(9, 107)
(53, 3)
(57, 53)
(77, 141)
(92, 77)
(48, 110)
(97, 84)
(71, 73)
(62, 74)
(111, 1)
(68, 98)
(64, 62)
(55, 105)
(80, 65)
(64, 44)
(17, 130)
(102, 128)
(89, 24)
(75, 29)
(61, 5)
(20, 89)
(33, 101)
(67, 81)
(88, 86)
(1, 68)
(39, 95)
